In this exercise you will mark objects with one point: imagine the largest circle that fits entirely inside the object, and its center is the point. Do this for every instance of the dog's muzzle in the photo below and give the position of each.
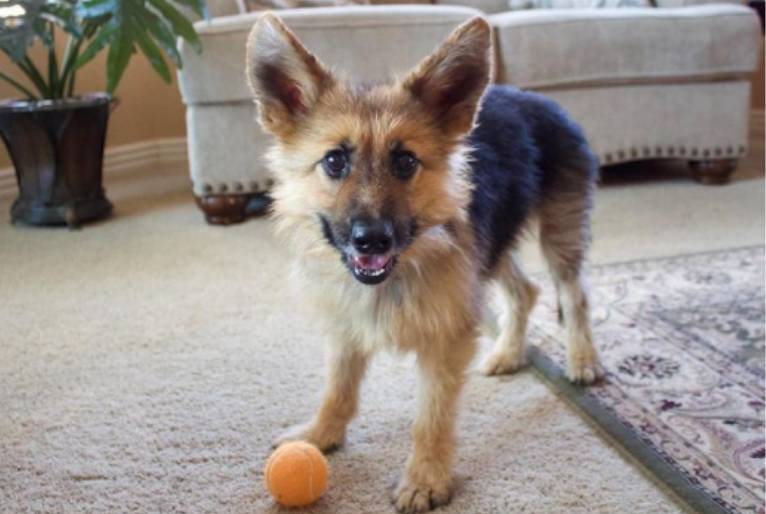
(371, 258)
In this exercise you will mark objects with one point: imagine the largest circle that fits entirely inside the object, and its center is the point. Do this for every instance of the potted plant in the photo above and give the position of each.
(54, 137)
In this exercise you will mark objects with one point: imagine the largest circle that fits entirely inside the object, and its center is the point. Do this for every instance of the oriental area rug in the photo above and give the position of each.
(682, 343)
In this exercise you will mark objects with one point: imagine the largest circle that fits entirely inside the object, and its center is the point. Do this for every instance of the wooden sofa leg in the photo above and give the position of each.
(228, 209)
(713, 171)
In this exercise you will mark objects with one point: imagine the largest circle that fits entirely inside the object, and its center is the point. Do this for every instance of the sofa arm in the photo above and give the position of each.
(366, 42)
(548, 49)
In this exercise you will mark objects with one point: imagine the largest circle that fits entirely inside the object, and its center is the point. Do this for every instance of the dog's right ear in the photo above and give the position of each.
(285, 78)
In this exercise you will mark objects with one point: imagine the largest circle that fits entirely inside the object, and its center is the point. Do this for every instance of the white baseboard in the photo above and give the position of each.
(118, 159)
(7, 181)
(143, 153)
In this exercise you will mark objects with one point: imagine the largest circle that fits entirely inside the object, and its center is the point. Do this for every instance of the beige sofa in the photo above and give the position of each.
(645, 83)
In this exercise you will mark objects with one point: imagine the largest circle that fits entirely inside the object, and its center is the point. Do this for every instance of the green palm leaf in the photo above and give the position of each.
(164, 36)
(104, 36)
(117, 59)
(122, 26)
(153, 54)
(181, 25)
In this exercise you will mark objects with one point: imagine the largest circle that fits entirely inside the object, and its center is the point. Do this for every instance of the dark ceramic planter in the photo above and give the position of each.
(57, 149)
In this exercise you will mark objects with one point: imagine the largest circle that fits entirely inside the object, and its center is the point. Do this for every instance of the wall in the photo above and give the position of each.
(148, 108)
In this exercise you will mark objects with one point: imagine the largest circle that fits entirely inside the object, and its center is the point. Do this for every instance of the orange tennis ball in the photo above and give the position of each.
(296, 474)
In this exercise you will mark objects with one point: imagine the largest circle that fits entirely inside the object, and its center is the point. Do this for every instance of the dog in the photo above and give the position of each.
(402, 202)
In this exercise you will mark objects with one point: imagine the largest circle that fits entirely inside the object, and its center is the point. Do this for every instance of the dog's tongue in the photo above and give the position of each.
(371, 262)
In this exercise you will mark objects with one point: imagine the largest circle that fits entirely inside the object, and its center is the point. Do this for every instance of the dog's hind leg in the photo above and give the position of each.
(564, 238)
(518, 295)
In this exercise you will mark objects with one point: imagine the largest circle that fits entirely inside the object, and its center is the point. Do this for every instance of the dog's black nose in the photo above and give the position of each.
(371, 236)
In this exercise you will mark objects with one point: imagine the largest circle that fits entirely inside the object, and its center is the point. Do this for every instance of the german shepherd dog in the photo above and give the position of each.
(403, 201)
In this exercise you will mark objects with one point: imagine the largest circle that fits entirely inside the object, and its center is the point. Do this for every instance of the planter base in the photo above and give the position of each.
(57, 150)
(72, 214)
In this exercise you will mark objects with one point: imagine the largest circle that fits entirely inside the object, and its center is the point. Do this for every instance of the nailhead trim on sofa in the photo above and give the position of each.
(238, 187)
(618, 156)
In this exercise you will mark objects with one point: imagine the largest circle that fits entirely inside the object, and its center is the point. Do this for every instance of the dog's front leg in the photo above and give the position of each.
(427, 481)
(346, 364)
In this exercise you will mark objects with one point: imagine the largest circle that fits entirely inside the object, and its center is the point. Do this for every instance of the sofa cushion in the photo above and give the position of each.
(368, 43)
(516, 5)
(687, 3)
(263, 5)
(260, 5)
(543, 49)
(486, 6)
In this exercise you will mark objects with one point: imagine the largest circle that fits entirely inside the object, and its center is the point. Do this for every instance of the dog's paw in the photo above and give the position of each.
(411, 496)
(584, 368)
(327, 439)
(502, 363)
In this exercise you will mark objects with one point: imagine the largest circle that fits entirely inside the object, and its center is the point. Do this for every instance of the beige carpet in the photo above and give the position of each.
(146, 362)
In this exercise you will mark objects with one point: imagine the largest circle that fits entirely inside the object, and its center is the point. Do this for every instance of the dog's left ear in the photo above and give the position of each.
(285, 78)
(451, 80)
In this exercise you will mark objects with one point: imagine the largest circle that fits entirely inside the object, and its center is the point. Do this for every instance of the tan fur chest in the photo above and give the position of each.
(427, 301)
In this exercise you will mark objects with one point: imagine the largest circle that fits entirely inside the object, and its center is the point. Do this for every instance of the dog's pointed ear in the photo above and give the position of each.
(451, 81)
(284, 77)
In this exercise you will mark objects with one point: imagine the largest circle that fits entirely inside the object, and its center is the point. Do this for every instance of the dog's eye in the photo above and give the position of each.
(405, 165)
(335, 163)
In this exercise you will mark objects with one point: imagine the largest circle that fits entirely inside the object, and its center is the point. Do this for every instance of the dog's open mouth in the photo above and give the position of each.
(371, 269)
